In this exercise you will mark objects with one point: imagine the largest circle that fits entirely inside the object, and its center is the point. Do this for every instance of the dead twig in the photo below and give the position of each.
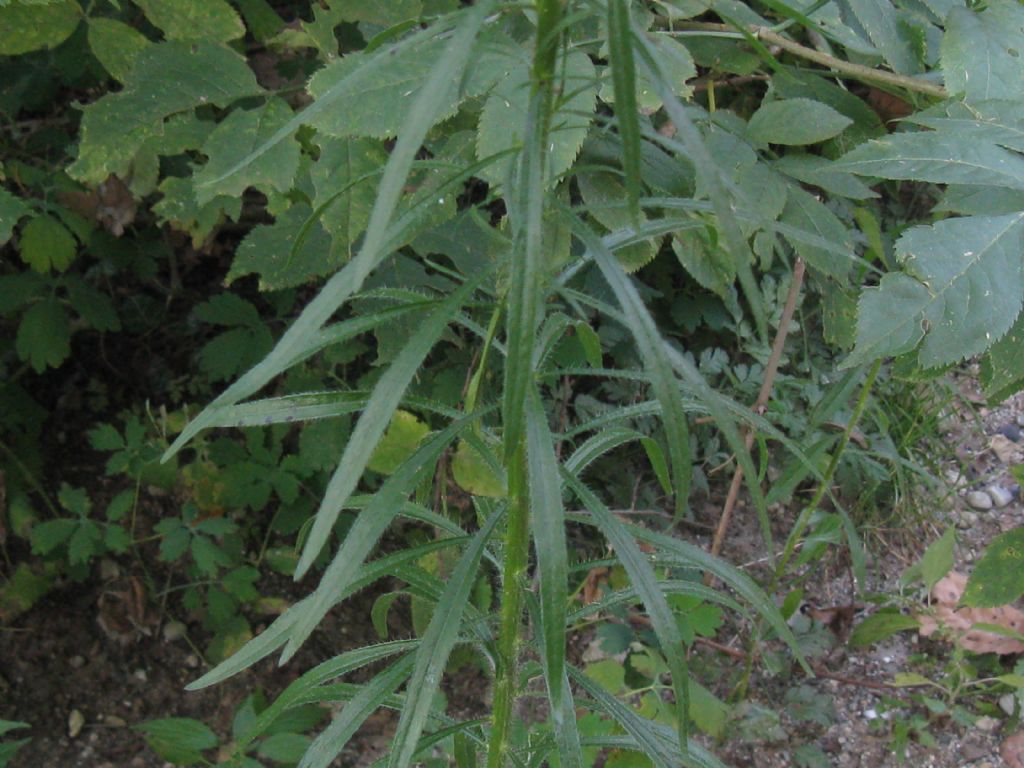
(759, 405)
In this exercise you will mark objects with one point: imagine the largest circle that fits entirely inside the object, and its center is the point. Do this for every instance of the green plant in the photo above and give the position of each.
(9, 749)
(482, 186)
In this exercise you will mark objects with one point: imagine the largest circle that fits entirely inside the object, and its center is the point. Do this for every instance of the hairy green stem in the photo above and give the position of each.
(517, 548)
(826, 481)
(523, 307)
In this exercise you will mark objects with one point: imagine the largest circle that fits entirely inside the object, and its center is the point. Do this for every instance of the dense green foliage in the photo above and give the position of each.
(540, 236)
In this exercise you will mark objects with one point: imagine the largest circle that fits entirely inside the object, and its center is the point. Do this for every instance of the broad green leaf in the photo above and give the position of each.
(233, 139)
(46, 244)
(12, 209)
(998, 577)
(703, 257)
(212, 20)
(436, 646)
(28, 26)
(807, 213)
(180, 209)
(960, 294)
(23, 589)
(795, 122)
(370, 697)
(419, 119)
(44, 335)
(998, 121)
(167, 78)
(373, 86)
(678, 65)
(504, 115)
(604, 193)
(95, 307)
(116, 45)
(267, 251)
(345, 177)
(817, 170)
(879, 626)
(1002, 369)
(403, 436)
(941, 158)
(879, 19)
(384, 14)
(981, 51)
(937, 560)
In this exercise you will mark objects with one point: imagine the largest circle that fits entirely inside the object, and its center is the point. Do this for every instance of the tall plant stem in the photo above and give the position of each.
(523, 299)
(759, 405)
(826, 481)
(856, 71)
(517, 546)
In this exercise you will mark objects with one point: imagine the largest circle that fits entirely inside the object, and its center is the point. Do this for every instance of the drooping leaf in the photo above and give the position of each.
(981, 51)
(795, 122)
(879, 626)
(116, 45)
(960, 293)
(212, 20)
(475, 474)
(28, 26)
(167, 78)
(237, 136)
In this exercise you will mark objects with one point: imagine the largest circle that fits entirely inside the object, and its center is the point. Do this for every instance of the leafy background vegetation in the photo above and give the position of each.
(497, 270)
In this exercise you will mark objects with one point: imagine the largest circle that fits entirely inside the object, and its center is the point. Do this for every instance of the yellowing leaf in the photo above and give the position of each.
(402, 438)
(474, 474)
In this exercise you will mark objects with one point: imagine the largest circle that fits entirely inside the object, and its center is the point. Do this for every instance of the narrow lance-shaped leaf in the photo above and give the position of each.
(620, 46)
(374, 420)
(548, 522)
(421, 116)
(652, 352)
(710, 172)
(370, 697)
(644, 580)
(367, 529)
(436, 645)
